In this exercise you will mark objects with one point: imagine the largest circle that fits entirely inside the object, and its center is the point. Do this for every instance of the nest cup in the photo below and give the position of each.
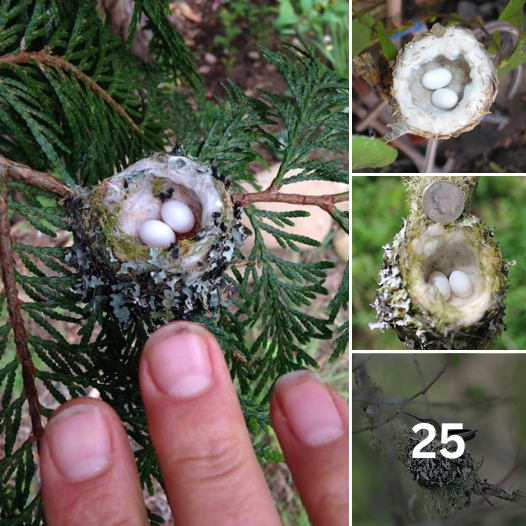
(474, 80)
(172, 282)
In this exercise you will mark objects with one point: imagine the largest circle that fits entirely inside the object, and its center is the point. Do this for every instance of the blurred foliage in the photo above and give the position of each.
(378, 205)
(480, 390)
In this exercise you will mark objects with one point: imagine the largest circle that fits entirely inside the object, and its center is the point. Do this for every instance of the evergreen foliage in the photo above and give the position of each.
(66, 107)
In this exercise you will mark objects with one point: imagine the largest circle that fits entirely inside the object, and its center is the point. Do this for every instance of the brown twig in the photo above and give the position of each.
(326, 202)
(363, 363)
(15, 313)
(42, 180)
(41, 58)
(440, 373)
(518, 497)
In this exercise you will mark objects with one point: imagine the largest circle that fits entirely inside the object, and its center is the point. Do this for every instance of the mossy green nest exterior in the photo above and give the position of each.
(167, 283)
(408, 304)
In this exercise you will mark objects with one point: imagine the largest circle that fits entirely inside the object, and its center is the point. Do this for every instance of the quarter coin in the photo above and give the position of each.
(443, 202)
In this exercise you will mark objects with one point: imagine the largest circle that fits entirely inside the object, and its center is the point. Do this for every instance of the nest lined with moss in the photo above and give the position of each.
(412, 307)
(171, 282)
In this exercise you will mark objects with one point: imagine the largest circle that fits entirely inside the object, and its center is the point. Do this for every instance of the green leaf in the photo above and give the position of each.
(362, 32)
(389, 49)
(371, 153)
(286, 16)
(453, 20)
(497, 39)
(513, 13)
(514, 60)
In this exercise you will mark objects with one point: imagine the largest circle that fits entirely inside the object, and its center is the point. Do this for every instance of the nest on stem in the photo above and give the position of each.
(473, 80)
(172, 282)
(407, 303)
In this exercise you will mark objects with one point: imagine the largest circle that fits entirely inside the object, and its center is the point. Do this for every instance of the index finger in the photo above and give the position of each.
(198, 430)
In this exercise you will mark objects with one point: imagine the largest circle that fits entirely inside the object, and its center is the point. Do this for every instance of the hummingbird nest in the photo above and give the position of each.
(446, 484)
(408, 304)
(123, 274)
(474, 81)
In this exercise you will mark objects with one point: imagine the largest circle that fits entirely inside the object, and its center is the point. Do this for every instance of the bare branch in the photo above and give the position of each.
(363, 363)
(518, 497)
(325, 202)
(43, 180)
(440, 373)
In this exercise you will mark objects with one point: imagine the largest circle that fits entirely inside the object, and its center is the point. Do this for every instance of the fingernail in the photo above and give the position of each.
(180, 365)
(79, 442)
(309, 408)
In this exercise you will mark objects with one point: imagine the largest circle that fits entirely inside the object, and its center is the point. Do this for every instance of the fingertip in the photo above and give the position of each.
(309, 408)
(198, 430)
(85, 457)
(311, 423)
(79, 439)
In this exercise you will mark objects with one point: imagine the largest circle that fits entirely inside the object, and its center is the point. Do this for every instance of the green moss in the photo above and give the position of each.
(398, 433)
(158, 186)
(416, 186)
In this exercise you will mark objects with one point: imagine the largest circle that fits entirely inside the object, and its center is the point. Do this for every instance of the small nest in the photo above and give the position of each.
(474, 80)
(165, 283)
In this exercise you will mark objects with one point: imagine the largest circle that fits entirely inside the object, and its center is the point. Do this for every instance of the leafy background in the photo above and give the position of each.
(378, 206)
(66, 107)
(481, 391)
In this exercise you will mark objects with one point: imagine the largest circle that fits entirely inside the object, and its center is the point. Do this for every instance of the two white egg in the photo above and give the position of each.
(458, 283)
(436, 79)
(177, 217)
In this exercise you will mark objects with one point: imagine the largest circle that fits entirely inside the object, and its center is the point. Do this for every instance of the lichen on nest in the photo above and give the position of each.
(445, 485)
(408, 304)
(122, 273)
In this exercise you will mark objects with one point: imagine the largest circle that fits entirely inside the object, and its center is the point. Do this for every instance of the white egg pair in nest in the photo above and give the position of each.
(436, 80)
(177, 218)
(458, 283)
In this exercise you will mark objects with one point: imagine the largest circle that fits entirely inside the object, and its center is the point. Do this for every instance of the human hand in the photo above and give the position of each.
(212, 476)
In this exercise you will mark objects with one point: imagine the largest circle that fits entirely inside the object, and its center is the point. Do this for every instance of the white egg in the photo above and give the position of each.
(436, 78)
(440, 281)
(460, 284)
(178, 216)
(444, 98)
(156, 234)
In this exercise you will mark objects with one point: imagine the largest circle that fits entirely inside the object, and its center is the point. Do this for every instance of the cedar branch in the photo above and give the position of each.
(43, 180)
(41, 58)
(326, 202)
(15, 313)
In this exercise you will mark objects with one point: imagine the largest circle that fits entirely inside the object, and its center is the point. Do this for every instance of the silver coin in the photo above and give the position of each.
(443, 202)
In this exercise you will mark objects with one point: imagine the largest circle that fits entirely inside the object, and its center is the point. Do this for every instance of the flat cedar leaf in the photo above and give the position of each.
(371, 153)
(362, 33)
(389, 49)
(513, 13)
